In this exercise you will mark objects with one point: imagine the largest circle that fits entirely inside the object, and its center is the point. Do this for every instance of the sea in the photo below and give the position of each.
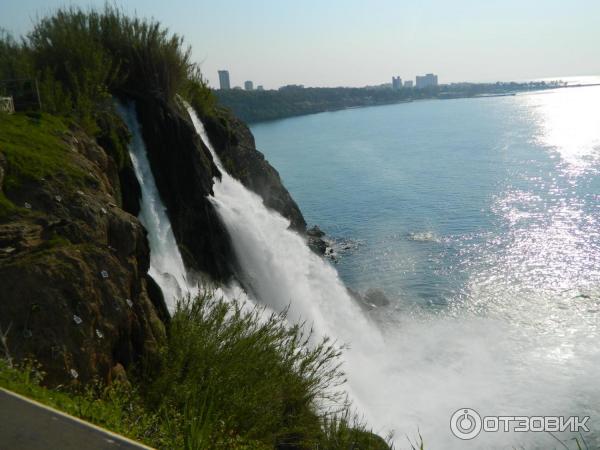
(479, 219)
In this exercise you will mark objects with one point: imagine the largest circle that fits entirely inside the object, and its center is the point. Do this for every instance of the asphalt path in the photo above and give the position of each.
(28, 425)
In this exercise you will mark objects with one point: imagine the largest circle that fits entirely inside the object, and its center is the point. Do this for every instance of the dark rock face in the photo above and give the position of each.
(73, 287)
(315, 240)
(184, 171)
(236, 148)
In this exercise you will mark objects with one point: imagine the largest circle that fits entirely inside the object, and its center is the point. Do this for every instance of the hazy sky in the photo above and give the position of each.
(354, 43)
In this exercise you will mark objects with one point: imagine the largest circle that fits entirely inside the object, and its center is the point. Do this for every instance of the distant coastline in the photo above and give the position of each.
(290, 101)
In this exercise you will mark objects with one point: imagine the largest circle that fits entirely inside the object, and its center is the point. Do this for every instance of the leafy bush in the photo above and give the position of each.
(14, 62)
(255, 374)
(83, 58)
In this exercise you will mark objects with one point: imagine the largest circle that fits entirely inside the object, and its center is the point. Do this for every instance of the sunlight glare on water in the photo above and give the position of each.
(569, 121)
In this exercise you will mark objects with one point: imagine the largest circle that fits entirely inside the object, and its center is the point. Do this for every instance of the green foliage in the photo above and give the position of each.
(83, 58)
(7, 208)
(117, 407)
(345, 430)
(64, 49)
(113, 136)
(14, 61)
(256, 375)
(199, 95)
(34, 149)
(256, 106)
(95, 54)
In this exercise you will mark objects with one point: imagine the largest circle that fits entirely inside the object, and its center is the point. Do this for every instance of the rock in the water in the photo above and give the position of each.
(373, 298)
(315, 231)
(316, 242)
(376, 297)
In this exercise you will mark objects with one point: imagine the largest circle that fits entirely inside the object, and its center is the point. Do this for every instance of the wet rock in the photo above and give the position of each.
(316, 242)
(315, 231)
(184, 172)
(318, 245)
(118, 375)
(236, 147)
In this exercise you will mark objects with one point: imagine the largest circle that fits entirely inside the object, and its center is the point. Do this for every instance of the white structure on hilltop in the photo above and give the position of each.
(249, 85)
(7, 105)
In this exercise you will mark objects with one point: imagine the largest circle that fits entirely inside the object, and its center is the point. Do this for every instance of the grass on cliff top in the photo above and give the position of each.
(34, 148)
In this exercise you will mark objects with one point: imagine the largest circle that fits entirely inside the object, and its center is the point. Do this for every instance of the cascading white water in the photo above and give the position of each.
(281, 271)
(410, 371)
(166, 263)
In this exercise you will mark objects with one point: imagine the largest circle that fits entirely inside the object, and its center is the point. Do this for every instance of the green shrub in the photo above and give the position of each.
(81, 59)
(94, 54)
(255, 374)
(14, 61)
(346, 430)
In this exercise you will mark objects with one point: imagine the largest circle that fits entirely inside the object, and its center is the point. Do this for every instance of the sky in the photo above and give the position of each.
(358, 43)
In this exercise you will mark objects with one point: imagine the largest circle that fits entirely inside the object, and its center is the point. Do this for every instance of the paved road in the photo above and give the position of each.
(28, 425)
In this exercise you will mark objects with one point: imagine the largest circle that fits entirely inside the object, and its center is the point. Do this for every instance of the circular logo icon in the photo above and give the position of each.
(465, 423)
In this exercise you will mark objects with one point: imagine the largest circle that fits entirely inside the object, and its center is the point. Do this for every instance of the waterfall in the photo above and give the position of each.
(166, 263)
(412, 373)
(280, 271)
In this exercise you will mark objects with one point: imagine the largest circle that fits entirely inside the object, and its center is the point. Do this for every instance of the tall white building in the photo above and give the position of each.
(426, 81)
(248, 85)
(224, 79)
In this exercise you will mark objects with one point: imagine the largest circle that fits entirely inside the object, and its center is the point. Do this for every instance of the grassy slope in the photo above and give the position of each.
(34, 149)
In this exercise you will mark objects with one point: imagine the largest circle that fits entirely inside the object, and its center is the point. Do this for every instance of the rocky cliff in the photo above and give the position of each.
(184, 170)
(73, 256)
(74, 291)
(235, 145)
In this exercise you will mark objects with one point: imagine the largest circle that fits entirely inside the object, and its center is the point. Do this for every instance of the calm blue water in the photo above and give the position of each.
(420, 190)
(480, 218)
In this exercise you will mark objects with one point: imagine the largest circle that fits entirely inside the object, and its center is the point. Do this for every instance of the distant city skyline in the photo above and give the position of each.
(357, 43)
(421, 81)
